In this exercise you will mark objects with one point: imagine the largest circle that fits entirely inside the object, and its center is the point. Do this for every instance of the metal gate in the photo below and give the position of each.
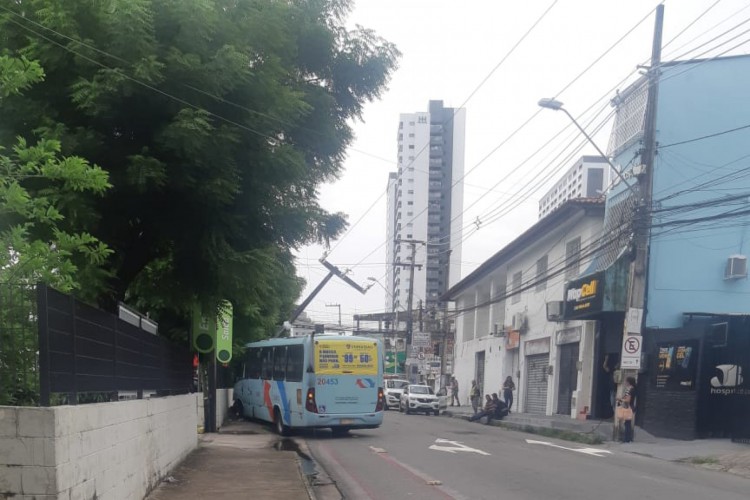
(536, 383)
(479, 375)
(568, 377)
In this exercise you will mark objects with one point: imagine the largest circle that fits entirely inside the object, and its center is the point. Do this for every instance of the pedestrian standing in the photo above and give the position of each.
(474, 396)
(627, 409)
(508, 388)
(454, 392)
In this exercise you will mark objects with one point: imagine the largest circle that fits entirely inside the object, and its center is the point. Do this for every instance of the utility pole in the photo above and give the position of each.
(636, 314)
(336, 305)
(411, 265)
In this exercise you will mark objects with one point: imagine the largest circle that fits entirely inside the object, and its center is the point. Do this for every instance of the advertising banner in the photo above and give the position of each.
(342, 357)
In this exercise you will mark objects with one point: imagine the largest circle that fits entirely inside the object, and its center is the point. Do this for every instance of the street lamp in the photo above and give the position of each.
(558, 106)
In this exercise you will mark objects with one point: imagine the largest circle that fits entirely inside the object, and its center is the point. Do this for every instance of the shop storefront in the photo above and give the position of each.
(696, 381)
(599, 296)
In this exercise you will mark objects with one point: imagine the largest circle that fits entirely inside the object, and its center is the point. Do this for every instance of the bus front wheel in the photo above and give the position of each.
(281, 429)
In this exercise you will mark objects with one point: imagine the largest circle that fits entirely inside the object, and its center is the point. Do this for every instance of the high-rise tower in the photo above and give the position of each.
(425, 204)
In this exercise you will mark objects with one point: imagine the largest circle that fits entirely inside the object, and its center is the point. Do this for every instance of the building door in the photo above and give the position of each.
(536, 383)
(568, 377)
(479, 373)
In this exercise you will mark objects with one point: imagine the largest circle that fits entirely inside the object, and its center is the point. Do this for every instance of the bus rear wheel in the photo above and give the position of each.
(281, 429)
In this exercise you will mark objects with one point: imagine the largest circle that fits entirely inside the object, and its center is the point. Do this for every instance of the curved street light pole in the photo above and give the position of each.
(558, 106)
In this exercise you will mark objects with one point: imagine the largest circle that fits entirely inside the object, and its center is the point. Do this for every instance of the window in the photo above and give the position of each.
(409, 203)
(409, 213)
(411, 123)
(295, 361)
(572, 258)
(411, 146)
(266, 363)
(279, 363)
(517, 277)
(410, 191)
(252, 363)
(422, 119)
(541, 274)
(411, 135)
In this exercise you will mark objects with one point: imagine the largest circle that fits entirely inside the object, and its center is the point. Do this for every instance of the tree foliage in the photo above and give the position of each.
(216, 122)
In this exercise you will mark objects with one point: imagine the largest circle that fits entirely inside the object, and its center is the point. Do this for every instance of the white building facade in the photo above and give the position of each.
(589, 177)
(502, 309)
(425, 203)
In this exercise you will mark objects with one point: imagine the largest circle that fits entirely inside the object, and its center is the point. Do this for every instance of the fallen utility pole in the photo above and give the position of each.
(332, 271)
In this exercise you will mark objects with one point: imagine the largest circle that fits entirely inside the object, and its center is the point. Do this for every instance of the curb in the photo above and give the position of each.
(585, 437)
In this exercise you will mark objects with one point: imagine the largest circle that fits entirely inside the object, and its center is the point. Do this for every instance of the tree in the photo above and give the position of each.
(216, 120)
(37, 244)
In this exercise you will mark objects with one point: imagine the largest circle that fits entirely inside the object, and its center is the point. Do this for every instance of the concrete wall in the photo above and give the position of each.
(224, 401)
(105, 451)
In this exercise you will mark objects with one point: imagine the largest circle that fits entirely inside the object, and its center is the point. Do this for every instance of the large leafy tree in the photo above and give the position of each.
(36, 243)
(216, 120)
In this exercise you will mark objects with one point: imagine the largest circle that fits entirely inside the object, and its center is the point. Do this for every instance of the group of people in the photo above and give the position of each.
(493, 407)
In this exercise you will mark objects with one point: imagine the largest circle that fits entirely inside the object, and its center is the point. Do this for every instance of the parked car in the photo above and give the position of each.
(393, 389)
(421, 398)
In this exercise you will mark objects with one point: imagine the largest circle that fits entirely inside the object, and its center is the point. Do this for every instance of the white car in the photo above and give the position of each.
(421, 398)
(393, 389)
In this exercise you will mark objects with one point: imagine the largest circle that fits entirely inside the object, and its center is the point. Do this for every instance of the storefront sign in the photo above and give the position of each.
(538, 346)
(584, 296)
(568, 335)
(513, 339)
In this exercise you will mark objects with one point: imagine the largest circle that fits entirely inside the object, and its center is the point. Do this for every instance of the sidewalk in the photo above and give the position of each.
(243, 460)
(716, 454)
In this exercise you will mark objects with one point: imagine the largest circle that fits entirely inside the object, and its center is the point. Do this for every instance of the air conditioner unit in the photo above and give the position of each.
(555, 310)
(736, 267)
(519, 321)
(498, 330)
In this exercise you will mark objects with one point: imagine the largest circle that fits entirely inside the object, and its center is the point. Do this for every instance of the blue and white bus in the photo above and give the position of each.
(313, 381)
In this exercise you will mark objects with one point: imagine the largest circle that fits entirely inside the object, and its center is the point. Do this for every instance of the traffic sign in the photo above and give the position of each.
(632, 346)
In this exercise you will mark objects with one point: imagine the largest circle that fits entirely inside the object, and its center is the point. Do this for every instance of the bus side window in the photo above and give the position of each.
(253, 363)
(295, 356)
(267, 363)
(279, 363)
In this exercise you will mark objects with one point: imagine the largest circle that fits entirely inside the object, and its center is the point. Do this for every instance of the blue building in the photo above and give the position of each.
(697, 303)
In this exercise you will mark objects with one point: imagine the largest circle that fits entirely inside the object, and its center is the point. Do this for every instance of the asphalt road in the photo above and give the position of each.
(427, 457)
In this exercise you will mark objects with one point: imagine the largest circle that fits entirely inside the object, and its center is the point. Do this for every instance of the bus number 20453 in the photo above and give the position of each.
(328, 381)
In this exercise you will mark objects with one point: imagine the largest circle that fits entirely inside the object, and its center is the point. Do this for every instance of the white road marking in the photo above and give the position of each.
(377, 450)
(588, 451)
(455, 446)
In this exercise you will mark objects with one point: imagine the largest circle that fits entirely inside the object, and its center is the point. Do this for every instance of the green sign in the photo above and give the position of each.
(203, 331)
(224, 333)
(394, 361)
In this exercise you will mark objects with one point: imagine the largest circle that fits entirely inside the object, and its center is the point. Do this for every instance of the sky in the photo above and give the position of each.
(496, 59)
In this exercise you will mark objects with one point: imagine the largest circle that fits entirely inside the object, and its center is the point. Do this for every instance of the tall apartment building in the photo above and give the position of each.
(589, 177)
(425, 203)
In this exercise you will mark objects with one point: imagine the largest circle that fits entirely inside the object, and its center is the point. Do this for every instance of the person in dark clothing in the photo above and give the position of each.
(489, 409)
(501, 409)
(508, 388)
(628, 401)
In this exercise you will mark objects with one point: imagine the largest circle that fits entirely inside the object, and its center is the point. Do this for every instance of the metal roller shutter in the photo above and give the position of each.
(536, 383)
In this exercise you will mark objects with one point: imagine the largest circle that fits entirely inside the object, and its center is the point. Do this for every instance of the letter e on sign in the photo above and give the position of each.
(631, 351)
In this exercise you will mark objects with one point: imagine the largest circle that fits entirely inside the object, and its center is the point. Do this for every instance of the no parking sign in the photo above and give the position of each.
(631, 352)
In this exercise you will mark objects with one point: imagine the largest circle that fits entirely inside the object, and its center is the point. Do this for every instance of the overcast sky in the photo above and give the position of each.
(461, 52)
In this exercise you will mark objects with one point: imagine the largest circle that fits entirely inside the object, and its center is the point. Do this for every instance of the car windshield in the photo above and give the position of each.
(420, 389)
(396, 384)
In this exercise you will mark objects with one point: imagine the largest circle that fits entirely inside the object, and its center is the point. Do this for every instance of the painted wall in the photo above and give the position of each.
(474, 326)
(106, 451)
(687, 261)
